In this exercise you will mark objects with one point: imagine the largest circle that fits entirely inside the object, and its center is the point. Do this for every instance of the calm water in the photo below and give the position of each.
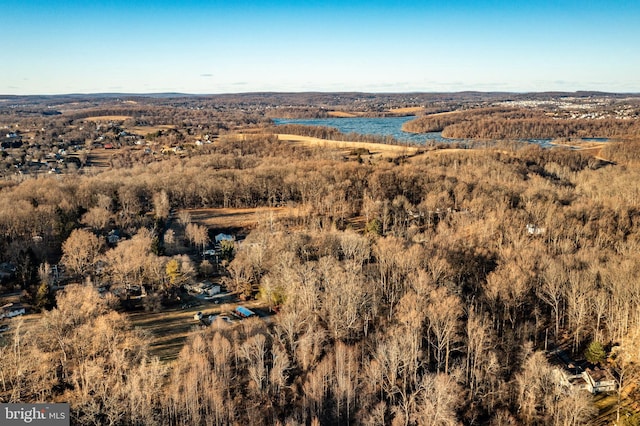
(385, 126)
(392, 126)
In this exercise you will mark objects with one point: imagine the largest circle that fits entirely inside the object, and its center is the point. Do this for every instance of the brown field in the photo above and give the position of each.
(407, 110)
(145, 130)
(377, 149)
(587, 147)
(577, 144)
(108, 118)
(168, 330)
(446, 151)
(342, 114)
(439, 114)
(99, 157)
(233, 218)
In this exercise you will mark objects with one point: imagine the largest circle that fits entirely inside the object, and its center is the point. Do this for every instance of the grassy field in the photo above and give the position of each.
(169, 329)
(137, 130)
(586, 147)
(342, 114)
(407, 110)
(99, 157)
(376, 149)
(108, 118)
(145, 130)
(233, 218)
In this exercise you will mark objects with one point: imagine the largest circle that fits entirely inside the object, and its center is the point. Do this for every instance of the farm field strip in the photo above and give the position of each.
(348, 145)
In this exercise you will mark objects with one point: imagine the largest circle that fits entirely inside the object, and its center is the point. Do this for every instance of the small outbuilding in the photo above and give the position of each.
(223, 237)
(244, 312)
(11, 310)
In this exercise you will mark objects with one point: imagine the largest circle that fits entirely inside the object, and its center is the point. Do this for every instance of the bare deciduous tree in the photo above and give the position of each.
(578, 293)
(81, 251)
(443, 313)
(161, 204)
(97, 218)
(355, 248)
(439, 398)
(254, 351)
(184, 218)
(198, 235)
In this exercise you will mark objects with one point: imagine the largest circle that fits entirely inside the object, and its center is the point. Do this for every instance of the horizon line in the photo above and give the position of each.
(276, 92)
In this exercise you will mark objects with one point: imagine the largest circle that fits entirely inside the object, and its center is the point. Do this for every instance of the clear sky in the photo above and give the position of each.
(199, 46)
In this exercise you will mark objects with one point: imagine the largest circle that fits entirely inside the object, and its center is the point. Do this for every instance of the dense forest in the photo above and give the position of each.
(407, 292)
(452, 286)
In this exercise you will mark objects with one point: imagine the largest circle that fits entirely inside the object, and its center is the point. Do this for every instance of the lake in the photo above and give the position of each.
(392, 126)
(379, 126)
(383, 126)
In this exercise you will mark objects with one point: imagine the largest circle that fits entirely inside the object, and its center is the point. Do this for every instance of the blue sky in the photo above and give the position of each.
(194, 46)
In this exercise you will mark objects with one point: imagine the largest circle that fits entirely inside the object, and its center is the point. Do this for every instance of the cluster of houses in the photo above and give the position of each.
(38, 159)
(11, 140)
(109, 136)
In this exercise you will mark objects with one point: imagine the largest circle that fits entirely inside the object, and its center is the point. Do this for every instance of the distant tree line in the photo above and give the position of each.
(499, 123)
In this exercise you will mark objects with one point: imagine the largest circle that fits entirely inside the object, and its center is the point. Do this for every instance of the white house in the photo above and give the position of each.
(599, 380)
(212, 291)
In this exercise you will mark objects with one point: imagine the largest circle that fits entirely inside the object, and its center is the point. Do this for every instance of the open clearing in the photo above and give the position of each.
(579, 145)
(100, 157)
(145, 130)
(108, 118)
(445, 151)
(342, 114)
(233, 218)
(138, 130)
(406, 110)
(383, 150)
(587, 147)
(168, 330)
